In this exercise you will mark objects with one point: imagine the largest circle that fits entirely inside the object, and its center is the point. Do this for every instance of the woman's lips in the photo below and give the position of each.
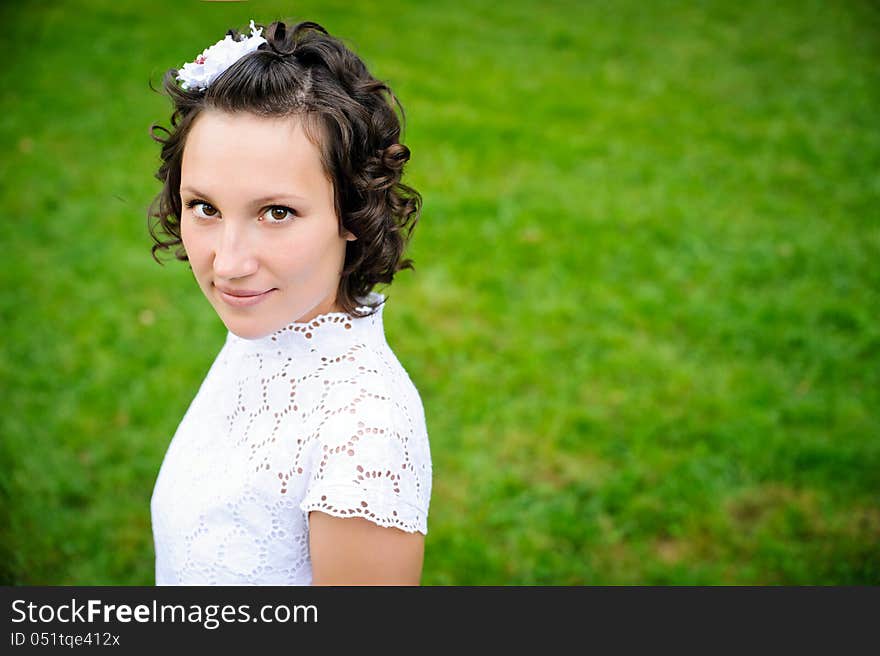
(243, 301)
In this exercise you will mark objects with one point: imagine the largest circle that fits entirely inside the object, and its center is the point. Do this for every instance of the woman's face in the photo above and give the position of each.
(258, 217)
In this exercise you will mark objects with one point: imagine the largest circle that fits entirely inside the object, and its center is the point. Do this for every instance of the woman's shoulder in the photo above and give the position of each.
(371, 451)
(373, 385)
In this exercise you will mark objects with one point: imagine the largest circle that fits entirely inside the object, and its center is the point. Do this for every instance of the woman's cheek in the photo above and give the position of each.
(196, 246)
(289, 254)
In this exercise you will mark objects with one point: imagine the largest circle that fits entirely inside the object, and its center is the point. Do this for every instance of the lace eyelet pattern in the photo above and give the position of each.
(318, 416)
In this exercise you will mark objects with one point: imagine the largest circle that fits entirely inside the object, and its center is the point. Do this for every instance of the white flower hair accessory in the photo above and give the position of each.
(199, 74)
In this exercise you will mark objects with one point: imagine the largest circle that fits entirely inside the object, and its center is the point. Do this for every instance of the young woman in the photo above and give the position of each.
(304, 456)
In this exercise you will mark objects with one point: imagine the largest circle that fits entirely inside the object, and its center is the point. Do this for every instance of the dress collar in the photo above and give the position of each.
(329, 330)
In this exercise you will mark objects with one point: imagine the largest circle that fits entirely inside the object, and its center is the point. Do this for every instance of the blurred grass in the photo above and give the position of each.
(644, 316)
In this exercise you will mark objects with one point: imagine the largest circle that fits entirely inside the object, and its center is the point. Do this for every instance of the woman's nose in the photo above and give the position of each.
(235, 255)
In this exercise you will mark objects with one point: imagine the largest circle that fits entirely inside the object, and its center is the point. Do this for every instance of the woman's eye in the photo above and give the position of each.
(205, 212)
(279, 214)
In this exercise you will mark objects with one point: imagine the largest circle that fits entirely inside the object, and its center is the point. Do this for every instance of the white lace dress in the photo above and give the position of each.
(316, 416)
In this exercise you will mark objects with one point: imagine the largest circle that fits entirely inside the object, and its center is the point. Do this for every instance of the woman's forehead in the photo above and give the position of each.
(271, 155)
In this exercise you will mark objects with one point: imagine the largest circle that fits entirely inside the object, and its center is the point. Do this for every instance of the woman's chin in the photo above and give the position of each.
(248, 329)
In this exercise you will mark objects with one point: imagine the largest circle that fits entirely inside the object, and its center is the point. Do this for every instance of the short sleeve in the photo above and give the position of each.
(370, 458)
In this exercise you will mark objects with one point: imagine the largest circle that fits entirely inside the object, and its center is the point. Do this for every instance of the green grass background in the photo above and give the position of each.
(644, 315)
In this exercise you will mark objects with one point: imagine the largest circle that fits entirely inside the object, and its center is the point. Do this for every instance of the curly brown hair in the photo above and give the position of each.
(345, 111)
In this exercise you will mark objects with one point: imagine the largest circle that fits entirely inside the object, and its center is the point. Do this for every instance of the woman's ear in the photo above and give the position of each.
(348, 236)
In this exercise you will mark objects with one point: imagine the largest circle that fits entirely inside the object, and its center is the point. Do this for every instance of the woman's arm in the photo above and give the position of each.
(356, 551)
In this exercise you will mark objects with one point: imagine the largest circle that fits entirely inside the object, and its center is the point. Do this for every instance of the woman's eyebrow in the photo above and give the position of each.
(266, 199)
(256, 201)
(194, 192)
